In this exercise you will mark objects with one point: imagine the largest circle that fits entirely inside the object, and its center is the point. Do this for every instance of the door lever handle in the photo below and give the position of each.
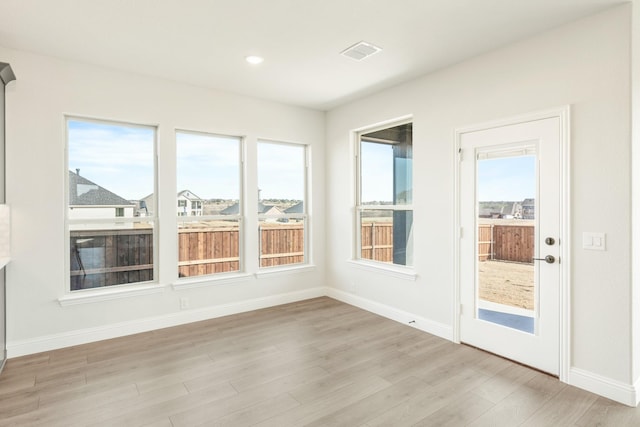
(549, 259)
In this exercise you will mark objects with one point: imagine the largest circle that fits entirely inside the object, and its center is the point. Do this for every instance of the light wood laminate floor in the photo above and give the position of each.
(318, 362)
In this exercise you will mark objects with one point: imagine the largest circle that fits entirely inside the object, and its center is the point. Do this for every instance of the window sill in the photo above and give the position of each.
(278, 271)
(106, 294)
(209, 280)
(4, 261)
(405, 273)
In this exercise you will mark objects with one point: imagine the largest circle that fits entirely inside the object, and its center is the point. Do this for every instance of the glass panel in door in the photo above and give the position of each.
(506, 288)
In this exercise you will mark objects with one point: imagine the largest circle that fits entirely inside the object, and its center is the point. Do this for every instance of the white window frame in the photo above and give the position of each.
(125, 289)
(397, 270)
(304, 215)
(239, 216)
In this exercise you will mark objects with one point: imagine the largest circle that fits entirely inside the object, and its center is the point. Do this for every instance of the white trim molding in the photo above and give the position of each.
(434, 328)
(84, 336)
(397, 271)
(283, 270)
(109, 293)
(210, 280)
(603, 386)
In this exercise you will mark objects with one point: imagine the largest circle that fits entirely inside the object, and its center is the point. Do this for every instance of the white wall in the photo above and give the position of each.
(48, 88)
(585, 64)
(635, 196)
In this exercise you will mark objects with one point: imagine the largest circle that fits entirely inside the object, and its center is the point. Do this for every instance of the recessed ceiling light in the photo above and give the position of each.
(254, 60)
(360, 51)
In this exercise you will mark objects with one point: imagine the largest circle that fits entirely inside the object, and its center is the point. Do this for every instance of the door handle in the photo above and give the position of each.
(549, 259)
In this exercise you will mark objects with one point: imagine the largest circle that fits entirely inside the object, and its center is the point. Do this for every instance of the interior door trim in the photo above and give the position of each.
(563, 113)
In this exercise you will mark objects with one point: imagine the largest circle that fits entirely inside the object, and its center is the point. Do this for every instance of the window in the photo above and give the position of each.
(384, 213)
(209, 170)
(111, 169)
(282, 209)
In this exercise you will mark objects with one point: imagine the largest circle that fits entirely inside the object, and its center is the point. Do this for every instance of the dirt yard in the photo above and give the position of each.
(507, 283)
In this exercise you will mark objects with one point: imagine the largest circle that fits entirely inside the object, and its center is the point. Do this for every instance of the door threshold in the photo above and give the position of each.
(511, 360)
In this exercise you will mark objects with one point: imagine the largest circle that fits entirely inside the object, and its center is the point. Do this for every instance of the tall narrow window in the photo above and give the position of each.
(384, 211)
(111, 168)
(282, 209)
(209, 203)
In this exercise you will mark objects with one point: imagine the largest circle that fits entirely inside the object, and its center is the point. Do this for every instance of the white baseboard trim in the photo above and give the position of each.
(84, 336)
(603, 386)
(626, 394)
(426, 325)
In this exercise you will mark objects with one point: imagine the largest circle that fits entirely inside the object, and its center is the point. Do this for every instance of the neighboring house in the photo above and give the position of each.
(268, 210)
(146, 205)
(298, 208)
(233, 209)
(500, 210)
(529, 209)
(189, 204)
(517, 210)
(141, 207)
(89, 200)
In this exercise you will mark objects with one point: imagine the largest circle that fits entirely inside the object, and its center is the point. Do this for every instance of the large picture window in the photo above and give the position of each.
(209, 170)
(384, 212)
(282, 207)
(111, 168)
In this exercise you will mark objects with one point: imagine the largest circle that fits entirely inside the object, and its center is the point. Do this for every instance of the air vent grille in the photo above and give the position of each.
(360, 51)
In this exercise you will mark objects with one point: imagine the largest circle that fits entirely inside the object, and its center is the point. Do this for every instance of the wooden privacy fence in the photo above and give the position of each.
(376, 239)
(506, 242)
(111, 257)
(108, 257)
(216, 250)
(208, 250)
(495, 242)
(281, 244)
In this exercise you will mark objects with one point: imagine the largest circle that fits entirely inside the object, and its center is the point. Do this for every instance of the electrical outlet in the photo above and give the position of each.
(184, 303)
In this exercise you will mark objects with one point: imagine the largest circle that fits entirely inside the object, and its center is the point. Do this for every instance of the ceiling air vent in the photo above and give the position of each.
(360, 51)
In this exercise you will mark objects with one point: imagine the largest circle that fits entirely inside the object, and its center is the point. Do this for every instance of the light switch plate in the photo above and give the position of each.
(594, 241)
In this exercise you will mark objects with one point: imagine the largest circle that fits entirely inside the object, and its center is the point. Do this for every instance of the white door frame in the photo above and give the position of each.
(563, 113)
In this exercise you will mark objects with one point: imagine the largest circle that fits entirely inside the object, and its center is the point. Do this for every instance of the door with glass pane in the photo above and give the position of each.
(510, 241)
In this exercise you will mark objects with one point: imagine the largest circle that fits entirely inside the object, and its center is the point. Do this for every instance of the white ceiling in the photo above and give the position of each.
(204, 42)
